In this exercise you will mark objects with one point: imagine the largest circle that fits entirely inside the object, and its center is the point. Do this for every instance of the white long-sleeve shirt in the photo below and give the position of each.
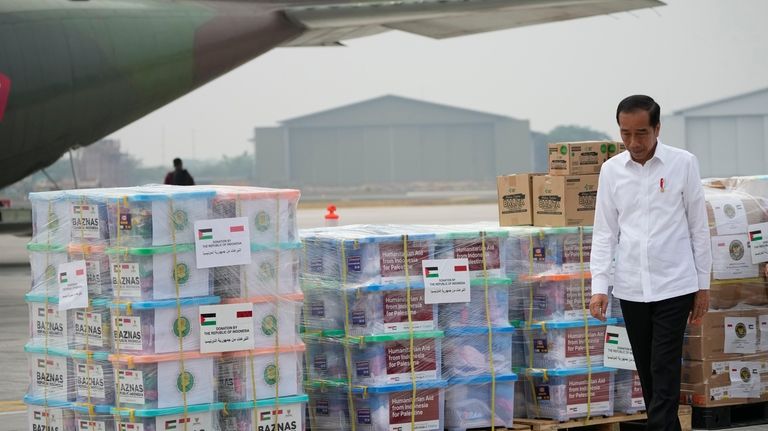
(652, 218)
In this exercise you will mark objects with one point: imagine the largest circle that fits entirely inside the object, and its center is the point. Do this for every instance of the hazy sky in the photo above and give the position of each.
(574, 72)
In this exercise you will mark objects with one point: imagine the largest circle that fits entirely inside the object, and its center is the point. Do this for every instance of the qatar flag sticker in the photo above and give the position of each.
(5, 90)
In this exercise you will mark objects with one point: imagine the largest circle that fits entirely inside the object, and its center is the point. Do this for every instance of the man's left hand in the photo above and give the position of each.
(700, 306)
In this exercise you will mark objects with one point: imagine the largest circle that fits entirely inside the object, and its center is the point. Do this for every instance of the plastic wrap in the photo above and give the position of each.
(131, 360)
(372, 340)
(368, 327)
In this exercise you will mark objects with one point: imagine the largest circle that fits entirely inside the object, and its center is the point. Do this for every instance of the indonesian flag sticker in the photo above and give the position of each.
(5, 90)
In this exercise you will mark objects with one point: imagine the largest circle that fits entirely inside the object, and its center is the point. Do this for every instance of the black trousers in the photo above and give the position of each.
(656, 331)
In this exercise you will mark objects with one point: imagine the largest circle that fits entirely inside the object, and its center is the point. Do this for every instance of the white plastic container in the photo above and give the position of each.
(155, 327)
(328, 408)
(563, 394)
(366, 255)
(271, 212)
(469, 245)
(324, 310)
(51, 223)
(156, 215)
(468, 401)
(563, 344)
(559, 297)
(51, 374)
(69, 329)
(386, 359)
(100, 419)
(466, 351)
(44, 261)
(274, 319)
(94, 378)
(198, 417)
(274, 375)
(473, 313)
(383, 309)
(629, 392)
(389, 407)
(549, 250)
(144, 274)
(286, 413)
(325, 360)
(271, 272)
(157, 381)
(42, 415)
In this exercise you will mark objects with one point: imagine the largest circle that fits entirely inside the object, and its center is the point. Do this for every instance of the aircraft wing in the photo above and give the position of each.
(332, 23)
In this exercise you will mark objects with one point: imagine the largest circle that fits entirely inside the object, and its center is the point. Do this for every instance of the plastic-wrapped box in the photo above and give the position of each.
(156, 215)
(550, 250)
(325, 360)
(563, 344)
(271, 213)
(466, 351)
(629, 393)
(274, 318)
(168, 380)
(386, 407)
(154, 273)
(44, 261)
(468, 402)
(199, 417)
(49, 415)
(558, 297)
(51, 223)
(468, 245)
(324, 310)
(564, 394)
(271, 272)
(155, 327)
(69, 329)
(386, 359)
(275, 372)
(94, 378)
(328, 408)
(51, 374)
(375, 310)
(285, 413)
(100, 419)
(96, 267)
(473, 313)
(367, 255)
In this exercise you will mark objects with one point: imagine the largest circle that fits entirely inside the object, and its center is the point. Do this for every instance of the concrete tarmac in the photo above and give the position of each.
(15, 282)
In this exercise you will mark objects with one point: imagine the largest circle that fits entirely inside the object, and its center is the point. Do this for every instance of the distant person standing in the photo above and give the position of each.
(179, 176)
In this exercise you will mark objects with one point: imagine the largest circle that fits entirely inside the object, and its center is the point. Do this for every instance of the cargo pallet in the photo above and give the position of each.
(601, 423)
(739, 415)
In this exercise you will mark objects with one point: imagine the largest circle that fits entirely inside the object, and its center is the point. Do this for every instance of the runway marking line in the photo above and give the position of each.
(15, 406)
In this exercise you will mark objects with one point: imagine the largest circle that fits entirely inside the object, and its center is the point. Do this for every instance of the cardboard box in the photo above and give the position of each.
(708, 395)
(725, 335)
(615, 148)
(717, 372)
(564, 200)
(515, 199)
(577, 158)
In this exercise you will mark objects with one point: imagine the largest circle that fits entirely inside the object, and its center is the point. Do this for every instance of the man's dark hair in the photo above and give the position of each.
(176, 162)
(640, 102)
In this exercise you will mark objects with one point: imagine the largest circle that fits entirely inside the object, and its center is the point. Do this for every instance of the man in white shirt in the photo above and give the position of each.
(651, 218)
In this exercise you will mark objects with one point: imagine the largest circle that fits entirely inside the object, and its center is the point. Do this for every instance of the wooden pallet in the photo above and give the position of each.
(515, 427)
(600, 423)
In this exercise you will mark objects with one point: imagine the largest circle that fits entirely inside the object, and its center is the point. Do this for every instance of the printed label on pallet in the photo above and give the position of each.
(130, 386)
(126, 331)
(599, 394)
(90, 381)
(396, 312)
(426, 414)
(88, 329)
(399, 360)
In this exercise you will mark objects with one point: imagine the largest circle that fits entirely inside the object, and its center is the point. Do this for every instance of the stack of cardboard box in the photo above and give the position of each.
(564, 197)
(725, 359)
